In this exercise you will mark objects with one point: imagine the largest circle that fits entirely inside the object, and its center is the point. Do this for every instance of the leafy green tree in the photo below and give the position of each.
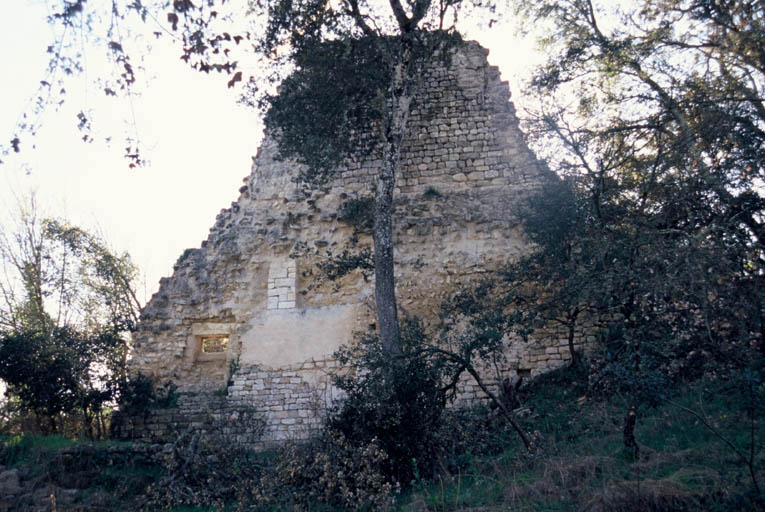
(59, 275)
(54, 373)
(399, 406)
(657, 110)
(68, 307)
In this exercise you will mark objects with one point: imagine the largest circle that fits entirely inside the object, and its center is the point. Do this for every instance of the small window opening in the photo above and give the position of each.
(214, 344)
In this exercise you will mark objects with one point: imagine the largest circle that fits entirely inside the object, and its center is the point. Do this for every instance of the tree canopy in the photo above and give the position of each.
(653, 113)
(56, 275)
(68, 304)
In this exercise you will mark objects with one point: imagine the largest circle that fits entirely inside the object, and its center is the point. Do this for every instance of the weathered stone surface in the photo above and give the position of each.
(256, 279)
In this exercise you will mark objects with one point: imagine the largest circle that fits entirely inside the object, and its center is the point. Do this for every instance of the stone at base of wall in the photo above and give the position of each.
(259, 408)
(263, 407)
(208, 414)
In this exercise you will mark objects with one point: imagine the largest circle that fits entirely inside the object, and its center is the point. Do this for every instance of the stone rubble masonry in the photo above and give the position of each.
(464, 169)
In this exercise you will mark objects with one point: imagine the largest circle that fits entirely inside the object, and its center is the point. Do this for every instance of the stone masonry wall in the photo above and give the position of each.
(257, 279)
(260, 407)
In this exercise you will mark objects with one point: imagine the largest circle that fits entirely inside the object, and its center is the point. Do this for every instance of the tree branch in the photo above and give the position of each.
(404, 22)
(466, 365)
(355, 12)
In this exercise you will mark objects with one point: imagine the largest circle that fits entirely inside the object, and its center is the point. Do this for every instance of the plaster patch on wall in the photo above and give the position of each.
(278, 337)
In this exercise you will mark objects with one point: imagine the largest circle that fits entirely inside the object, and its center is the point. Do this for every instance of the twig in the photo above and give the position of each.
(718, 434)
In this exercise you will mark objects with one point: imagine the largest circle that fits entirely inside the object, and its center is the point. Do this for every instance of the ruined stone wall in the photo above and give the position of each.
(261, 406)
(257, 279)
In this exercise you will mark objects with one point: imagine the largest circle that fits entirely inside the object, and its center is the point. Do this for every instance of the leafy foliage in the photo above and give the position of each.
(326, 109)
(209, 469)
(336, 267)
(59, 275)
(329, 471)
(137, 395)
(57, 372)
(358, 213)
(68, 305)
(397, 403)
(662, 166)
(89, 37)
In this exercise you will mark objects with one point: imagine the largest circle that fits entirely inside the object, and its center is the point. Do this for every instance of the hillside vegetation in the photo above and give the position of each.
(696, 449)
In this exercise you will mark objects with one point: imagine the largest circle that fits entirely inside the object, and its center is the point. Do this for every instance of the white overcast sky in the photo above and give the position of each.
(200, 143)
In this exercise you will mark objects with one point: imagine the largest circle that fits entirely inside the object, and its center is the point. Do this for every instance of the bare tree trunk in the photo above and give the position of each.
(385, 287)
(575, 356)
(630, 421)
(399, 97)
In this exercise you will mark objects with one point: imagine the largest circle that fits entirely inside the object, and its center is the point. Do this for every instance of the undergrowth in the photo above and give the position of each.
(24, 449)
(687, 461)
(581, 462)
(99, 475)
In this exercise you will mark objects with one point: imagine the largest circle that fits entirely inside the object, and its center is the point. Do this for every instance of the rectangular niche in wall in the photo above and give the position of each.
(282, 284)
(216, 344)
(211, 341)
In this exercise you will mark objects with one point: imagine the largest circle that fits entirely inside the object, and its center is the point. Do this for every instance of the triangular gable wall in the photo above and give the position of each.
(255, 288)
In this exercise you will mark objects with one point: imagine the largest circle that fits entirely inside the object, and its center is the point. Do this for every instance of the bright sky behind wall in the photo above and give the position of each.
(199, 140)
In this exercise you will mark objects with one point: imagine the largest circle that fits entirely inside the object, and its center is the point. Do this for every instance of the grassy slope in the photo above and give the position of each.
(105, 475)
(579, 464)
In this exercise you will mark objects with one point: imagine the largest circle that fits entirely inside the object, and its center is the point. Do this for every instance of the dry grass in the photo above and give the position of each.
(645, 495)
